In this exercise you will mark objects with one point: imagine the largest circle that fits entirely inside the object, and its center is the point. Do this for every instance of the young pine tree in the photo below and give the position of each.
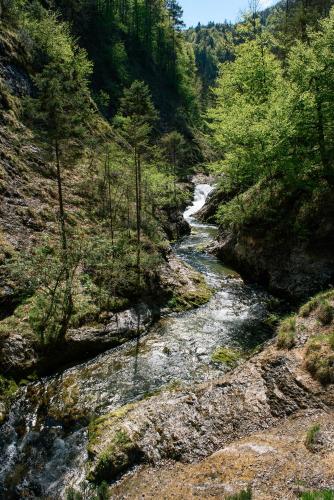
(174, 146)
(61, 109)
(136, 118)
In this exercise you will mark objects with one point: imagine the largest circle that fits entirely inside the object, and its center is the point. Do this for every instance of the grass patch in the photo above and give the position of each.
(318, 495)
(325, 313)
(226, 356)
(312, 437)
(315, 302)
(287, 333)
(243, 495)
(320, 358)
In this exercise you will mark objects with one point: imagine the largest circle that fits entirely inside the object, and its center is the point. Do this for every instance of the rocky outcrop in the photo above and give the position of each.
(287, 268)
(215, 199)
(272, 465)
(187, 425)
(21, 352)
(182, 286)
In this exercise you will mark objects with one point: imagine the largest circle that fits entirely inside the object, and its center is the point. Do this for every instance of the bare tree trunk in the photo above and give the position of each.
(68, 300)
(138, 211)
(61, 202)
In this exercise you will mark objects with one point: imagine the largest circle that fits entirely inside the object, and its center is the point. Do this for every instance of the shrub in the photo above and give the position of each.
(312, 437)
(243, 495)
(320, 358)
(8, 388)
(287, 333)
(72, 494)
(318, 495)
(325, 313)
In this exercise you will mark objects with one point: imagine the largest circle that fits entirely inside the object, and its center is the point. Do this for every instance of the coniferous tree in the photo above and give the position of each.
(61, 110)
(137, 115)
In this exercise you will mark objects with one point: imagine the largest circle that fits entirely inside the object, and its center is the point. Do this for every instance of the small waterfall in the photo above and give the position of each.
(202, 191)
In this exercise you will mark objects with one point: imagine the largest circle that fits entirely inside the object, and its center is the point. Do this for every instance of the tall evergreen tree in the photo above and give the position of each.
(137, 115)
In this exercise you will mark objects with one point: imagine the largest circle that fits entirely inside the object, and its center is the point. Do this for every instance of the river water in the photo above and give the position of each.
(43, 443)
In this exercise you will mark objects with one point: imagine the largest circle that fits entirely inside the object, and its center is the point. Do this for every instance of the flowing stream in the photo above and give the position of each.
(43, 442)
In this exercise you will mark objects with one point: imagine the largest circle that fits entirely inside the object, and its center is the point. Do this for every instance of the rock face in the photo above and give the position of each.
(286, 268)
(21, 352)
(187, 425)
(216, 198)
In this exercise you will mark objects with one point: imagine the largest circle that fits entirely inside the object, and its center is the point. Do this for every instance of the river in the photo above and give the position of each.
(43, 442)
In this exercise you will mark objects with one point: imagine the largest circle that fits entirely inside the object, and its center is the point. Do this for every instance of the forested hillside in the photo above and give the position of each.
(99, 103)
(137, 40)
(272, 125)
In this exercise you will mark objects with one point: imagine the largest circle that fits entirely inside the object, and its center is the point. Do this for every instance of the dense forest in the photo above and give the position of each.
(113, 114)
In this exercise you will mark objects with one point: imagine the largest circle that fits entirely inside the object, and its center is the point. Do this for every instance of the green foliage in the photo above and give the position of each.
(42, 274)
(241, 119)
(139, 40)
(243, 495)
(325, 313)
(11, 10)
(272, 125)
(287, 333)
(100, 492)
(312, 437)
(137, 115)
(62, 106)
(8, 388)
(318, 495)
(213, 45)
(320, 358)
(72, 494)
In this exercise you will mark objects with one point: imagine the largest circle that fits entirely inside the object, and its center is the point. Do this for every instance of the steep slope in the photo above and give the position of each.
(31, 261)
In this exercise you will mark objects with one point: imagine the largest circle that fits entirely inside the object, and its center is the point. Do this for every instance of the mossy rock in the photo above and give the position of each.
(186, 300)
(227, 356)
(110, 447)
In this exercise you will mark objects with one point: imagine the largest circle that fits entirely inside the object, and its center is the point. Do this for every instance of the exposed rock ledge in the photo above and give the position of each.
(272, 393)
(275, 464)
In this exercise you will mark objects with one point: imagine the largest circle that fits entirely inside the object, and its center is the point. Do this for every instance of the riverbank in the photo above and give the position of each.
(54, 413)
(279, 238)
